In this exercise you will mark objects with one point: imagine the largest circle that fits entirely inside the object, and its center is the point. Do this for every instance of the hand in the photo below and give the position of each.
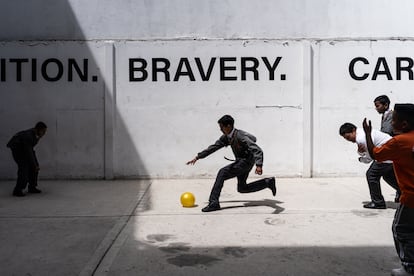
(259, 170)
(361, 148)
(367, 126)
(192, 162)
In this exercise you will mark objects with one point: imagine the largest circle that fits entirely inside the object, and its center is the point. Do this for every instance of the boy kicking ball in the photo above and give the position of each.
(247, 154)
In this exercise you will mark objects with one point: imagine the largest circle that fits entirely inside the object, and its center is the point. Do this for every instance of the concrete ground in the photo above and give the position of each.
(138, 227)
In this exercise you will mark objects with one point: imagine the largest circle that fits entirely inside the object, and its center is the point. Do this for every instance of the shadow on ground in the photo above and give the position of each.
(255, 203)
(183, 259)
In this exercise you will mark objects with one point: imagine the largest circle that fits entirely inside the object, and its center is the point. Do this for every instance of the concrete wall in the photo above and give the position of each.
(126, 90)
(173, 118)
(230, 19)
(339, 98)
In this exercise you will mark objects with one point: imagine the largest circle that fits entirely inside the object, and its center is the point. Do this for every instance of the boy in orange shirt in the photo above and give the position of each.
(400, 149)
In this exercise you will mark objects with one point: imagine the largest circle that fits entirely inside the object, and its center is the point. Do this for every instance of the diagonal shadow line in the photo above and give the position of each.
(63, 30)
(56, 26)
(107, 247)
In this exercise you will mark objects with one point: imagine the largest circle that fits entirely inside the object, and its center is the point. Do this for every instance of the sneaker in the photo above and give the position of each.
(373, 205)
(211, 207)
(272, 185)
(34, 191)
(18, 193)
(400, 272)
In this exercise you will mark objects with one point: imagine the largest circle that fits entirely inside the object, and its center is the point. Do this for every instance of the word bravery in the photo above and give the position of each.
(194, 69)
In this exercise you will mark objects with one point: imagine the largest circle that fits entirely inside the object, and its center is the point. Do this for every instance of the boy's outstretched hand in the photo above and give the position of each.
(192, 162)
(361, 148)
(259, 170)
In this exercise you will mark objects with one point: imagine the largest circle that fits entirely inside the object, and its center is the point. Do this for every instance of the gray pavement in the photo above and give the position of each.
(138, 227)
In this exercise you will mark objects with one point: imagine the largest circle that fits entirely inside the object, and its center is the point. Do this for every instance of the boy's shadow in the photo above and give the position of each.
(252, 203)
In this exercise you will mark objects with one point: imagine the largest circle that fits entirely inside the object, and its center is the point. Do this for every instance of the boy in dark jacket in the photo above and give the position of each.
(21, 145)
(247, 155)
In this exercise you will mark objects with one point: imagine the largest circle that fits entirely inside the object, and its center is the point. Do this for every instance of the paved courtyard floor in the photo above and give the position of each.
(313, 226)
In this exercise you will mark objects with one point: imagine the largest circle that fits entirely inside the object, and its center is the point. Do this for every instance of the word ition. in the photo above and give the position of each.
(51, 70)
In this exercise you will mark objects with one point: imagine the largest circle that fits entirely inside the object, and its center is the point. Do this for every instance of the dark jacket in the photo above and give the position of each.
(243, 145)
(23, 143)
(386, 123)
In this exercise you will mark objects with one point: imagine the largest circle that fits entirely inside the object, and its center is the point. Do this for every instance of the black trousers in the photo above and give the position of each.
(26, 171)
(240, 169)
(374, 174)
(403, 232)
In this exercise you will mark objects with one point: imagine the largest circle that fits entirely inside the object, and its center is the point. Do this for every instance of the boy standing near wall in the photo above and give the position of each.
(400, 149)
(382, 105)
(21, 145)
(247, 155)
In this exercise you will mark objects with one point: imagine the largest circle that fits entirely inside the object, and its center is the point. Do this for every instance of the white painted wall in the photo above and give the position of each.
(170, 121)
(114, 127)
(231, 19)
(338, 98)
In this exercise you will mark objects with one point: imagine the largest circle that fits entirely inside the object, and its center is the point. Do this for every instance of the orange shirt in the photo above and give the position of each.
(400, 150)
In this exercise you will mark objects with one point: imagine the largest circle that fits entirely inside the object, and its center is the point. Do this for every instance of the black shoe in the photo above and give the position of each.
(34, 191)
(272, 185)
(373, 205)
(18, 193)
(211, 207)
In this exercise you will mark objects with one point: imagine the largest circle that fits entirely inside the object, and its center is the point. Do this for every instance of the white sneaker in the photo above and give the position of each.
(400, 272)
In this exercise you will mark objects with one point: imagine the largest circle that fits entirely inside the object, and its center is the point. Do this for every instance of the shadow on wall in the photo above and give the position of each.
(69, 84)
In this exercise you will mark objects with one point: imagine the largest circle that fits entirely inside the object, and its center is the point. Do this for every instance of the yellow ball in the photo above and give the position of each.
(187, 199)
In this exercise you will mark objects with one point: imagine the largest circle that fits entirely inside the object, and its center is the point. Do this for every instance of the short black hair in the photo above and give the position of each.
(346, 128)
(226, 120)
(40, 125)
(383, 99)
(405, 112)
